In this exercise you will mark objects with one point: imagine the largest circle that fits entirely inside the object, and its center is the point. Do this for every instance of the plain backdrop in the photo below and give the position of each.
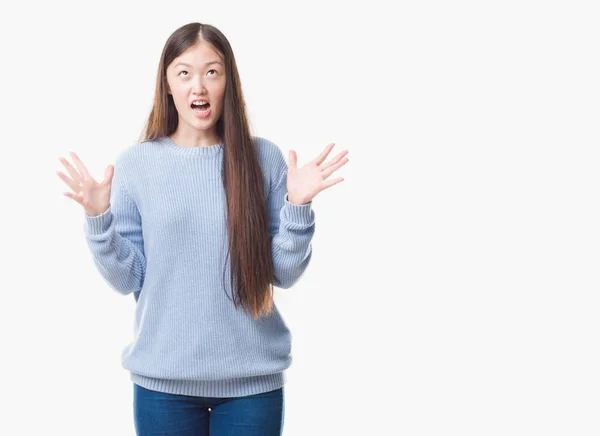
(454, 284)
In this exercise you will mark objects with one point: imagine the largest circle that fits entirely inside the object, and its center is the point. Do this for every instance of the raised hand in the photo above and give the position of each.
(303, 184)
(92, 195)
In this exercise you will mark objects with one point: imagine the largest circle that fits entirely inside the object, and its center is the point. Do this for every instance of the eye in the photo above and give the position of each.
(183, 71)
(212, 70)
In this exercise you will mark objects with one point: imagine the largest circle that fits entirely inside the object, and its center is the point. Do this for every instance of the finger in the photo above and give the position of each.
(108, 175)
(293, 159)
(330, 183)
(77, 198)
(80, 166)
(333, 168)
(74, 186)
(72, 171)
(320, 158)
(334, 160)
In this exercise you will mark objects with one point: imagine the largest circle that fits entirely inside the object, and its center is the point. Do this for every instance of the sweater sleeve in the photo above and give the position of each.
(291, 227)
(116, 243)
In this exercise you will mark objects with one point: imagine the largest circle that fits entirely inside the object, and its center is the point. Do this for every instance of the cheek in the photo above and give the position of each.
(179, 104)
(220, 98)
(219, 92)
(180, 98)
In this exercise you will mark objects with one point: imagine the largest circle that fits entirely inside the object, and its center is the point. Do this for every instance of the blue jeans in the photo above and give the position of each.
(159, 413)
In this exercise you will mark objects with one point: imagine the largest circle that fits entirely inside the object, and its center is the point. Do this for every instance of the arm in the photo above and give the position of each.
(291, 227)
(115, 240)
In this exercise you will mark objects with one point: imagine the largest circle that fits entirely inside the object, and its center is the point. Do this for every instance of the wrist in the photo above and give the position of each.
(96, 212)
(296, 201)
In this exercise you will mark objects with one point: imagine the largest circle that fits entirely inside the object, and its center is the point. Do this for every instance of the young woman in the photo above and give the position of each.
(199, 221)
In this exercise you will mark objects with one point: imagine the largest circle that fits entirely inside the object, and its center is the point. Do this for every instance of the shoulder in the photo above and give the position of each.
(130, 165)
(270, 156)
(131, 157)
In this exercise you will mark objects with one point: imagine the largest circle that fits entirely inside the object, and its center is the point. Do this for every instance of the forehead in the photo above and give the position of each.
(199, 55)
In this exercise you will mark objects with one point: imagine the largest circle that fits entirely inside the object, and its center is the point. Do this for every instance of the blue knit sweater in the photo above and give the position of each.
(164, 239)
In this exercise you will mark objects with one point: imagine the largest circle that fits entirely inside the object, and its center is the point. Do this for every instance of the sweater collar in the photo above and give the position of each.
(209, 150)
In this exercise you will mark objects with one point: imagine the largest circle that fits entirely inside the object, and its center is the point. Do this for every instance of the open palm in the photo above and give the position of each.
(304, 183)
(92, 195)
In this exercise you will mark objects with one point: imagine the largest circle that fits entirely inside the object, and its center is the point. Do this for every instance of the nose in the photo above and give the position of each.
(198, 86)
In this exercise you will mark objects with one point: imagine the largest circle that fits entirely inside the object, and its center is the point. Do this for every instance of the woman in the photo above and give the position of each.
(200, 200)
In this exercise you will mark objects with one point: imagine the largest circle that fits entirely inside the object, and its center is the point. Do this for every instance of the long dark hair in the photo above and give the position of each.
(247, 215)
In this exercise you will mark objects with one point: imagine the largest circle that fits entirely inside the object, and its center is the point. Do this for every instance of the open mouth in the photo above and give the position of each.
(200, 107)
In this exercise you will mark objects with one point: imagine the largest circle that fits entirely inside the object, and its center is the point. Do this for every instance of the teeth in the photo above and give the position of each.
(197, 108)
(198, 103)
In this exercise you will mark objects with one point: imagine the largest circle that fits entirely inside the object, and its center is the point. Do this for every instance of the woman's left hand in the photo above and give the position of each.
(303, 184)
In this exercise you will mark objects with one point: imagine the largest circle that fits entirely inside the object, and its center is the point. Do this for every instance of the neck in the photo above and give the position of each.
(195, 138)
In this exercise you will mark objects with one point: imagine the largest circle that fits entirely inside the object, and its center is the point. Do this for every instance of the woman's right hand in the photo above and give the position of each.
(92, 195)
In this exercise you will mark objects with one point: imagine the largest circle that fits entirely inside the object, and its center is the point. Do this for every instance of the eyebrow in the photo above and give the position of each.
(188, 65)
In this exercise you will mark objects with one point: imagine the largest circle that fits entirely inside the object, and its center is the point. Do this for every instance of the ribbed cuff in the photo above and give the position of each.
(236, 387)
(98, 224)
(298, 213)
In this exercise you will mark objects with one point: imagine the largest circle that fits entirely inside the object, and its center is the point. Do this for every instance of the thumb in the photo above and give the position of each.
(108, 174)
(293, 159)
